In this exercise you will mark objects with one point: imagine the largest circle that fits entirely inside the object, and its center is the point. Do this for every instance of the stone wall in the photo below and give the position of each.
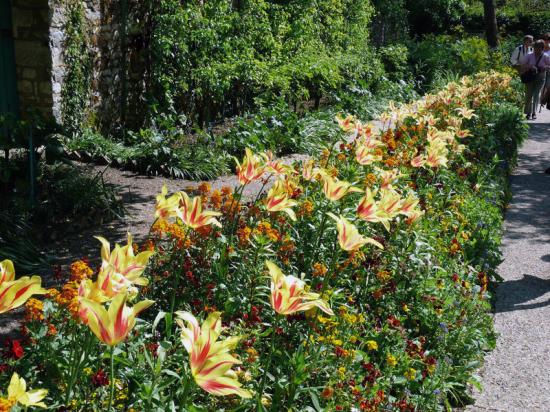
(117, 79)
(120, 71)
(32, 54)
(116, 45)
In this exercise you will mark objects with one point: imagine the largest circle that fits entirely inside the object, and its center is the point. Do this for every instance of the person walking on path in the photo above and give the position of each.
(545, 95)
(520, 51)
(533, 72)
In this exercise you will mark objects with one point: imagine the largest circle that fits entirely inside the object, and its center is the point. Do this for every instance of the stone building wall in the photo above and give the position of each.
(116, 46)
(120, 71)
(32, 54)
(117, 53)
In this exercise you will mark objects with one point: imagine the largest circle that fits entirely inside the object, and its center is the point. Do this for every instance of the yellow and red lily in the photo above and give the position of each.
(252, 168)
(436, 154)
(366, 156)
(466, 113)
(309, 172)
(366, 209)
(288, 294)
(275, 167)
(14, 293)
(388, 206)
(167, 207)
(335, 189)
(209, 358)
(112, 326)
(7, 271)
(191, 214)
(347, 124)
(120, 268)
(349, 237)
(277, 200)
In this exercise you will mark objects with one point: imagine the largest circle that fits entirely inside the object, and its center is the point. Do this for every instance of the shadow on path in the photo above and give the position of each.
(514, 294)
(529, 212)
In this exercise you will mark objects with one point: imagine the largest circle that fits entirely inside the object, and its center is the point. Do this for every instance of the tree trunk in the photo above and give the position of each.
(491, 28)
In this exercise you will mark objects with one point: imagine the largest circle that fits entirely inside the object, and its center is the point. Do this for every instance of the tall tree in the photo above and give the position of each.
(491, 28)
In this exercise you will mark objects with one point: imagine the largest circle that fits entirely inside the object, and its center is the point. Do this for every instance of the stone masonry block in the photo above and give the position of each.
(22, 18)
(45, 88)
(25, 87)
(32, 54)
(28, 73)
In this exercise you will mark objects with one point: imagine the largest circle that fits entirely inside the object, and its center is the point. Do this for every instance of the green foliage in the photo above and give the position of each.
(433, 16)
(438, 57)
(278, 129)
(390, 22)
(211, 59)
(76, 82)
(16, 242)
(367, 104)
(154, 153)
(68, 192)
(513, 17)
(395, 59)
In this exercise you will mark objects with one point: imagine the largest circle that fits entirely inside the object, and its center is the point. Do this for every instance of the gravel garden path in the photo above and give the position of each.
(137, 193)
(516, 375)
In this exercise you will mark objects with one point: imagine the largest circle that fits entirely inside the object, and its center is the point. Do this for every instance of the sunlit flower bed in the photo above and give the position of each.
(357, 282)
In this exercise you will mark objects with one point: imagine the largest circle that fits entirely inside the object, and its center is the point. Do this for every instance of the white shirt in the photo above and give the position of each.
(518, 53)
(542, 62)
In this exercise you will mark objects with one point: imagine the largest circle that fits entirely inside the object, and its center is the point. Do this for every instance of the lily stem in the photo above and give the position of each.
(112, 379)
(271, 350)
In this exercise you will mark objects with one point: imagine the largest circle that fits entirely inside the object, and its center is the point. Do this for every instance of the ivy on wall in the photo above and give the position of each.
(76, 83)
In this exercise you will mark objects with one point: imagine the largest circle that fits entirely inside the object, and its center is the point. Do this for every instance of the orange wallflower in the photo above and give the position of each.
(80, 271)
(34, 310)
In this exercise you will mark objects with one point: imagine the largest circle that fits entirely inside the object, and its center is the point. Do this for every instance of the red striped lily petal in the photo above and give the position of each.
(288, 293)
(113, 325)
(15, 293)
(348, 235)
(7, 271)
(223, 386)
(210, 360)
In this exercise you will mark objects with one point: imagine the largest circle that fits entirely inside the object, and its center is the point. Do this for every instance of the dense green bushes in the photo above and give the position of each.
(513, 18)
(437, 59)
(213, 59)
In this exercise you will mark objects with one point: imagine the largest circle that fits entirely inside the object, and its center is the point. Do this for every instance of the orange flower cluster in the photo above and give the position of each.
(80, 271)
(286, 250)
(6, 404)
(68, 297)
(173, 230)
(305, 208)
(34, 310)
(243, 235)
(319, 269)
(216, 200)
(264, 228)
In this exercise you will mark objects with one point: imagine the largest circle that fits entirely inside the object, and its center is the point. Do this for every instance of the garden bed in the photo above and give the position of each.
(359, 282)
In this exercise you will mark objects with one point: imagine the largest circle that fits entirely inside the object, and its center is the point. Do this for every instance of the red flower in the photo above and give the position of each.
(100, 378)
(17, 351)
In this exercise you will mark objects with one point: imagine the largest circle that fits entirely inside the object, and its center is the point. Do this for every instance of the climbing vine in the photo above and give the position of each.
(76, 85)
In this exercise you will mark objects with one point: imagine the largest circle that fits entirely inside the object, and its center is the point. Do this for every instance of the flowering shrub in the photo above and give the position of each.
(358, 282)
